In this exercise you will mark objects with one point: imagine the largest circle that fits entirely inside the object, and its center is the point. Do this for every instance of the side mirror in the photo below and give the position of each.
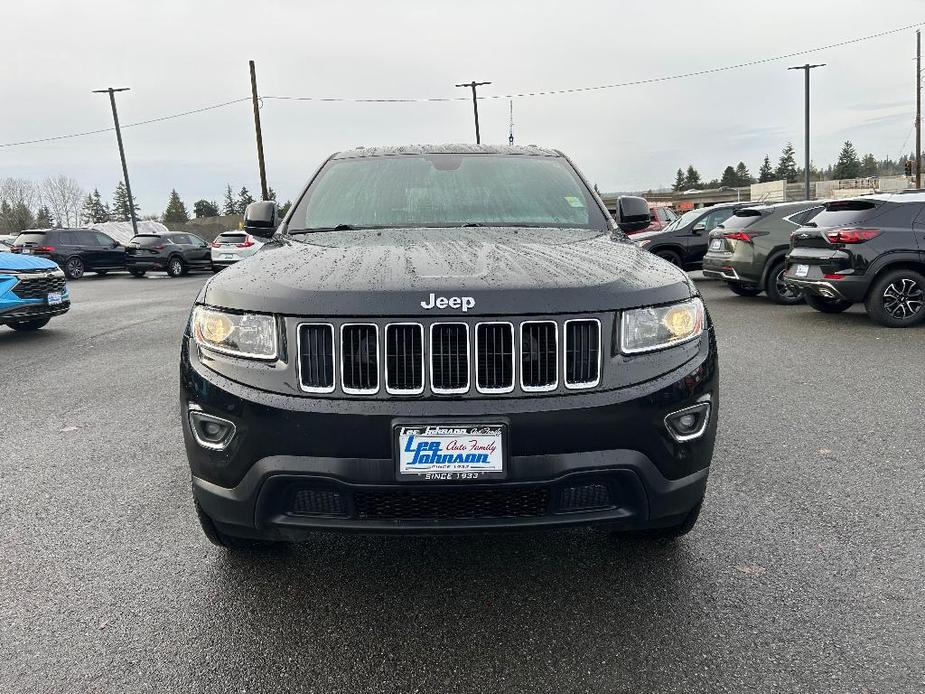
(632, 213)
(261, 219)
(698, 227)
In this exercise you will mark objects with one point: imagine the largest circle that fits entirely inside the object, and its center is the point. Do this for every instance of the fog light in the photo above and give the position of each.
(689, 423)
(210, 431)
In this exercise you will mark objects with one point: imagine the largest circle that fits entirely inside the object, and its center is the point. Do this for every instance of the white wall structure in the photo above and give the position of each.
(772, 191)
(122, 231)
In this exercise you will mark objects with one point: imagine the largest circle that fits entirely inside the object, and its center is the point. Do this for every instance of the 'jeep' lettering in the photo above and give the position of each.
(463, 302)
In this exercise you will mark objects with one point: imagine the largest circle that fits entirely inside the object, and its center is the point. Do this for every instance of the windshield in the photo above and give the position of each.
(447, 190)
(684, 219)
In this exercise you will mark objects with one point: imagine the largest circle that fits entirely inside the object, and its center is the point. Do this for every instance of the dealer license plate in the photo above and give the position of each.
(54, 298)
(450, 452)
(716, 245)
(226, 256)
(27, 251)
(801, 271)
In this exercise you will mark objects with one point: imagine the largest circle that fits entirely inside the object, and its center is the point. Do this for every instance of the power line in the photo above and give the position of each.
(519, 95)
(127, 125)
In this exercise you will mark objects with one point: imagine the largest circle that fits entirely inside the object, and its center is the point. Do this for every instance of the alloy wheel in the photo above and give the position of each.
(75, 268)
(176, 267)
(784, 289)
(903, 298)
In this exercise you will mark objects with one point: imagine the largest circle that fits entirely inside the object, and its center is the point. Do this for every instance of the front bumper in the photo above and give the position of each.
(591, 458)
(28, 310)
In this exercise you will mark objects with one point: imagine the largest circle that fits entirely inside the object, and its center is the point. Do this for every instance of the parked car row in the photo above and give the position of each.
(78, 251)
(830, 254)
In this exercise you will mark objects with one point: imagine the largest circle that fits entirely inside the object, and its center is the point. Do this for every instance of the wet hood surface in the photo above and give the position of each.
(17, 262)
(391, 272)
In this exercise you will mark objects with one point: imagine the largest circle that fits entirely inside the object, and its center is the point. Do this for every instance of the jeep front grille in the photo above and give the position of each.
(539, 348)
(410, 358)
(582, 353)
(316, 357)
(494, 357)
(449, 358)
(404, 358)
(359, 361)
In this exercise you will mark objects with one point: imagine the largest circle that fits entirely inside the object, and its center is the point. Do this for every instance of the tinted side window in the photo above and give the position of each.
(103, 239)
(716, 218)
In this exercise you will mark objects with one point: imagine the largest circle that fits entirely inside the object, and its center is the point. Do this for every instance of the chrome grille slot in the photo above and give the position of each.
(494, 357)
(582, 353)
(359, 361)
(316, 357)
(404, 358)
(449, 358)
(539, 345)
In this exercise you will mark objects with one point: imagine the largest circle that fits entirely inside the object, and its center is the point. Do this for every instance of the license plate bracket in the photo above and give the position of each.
(716, 245)
(55, 298)
(801, 270)
(450, 451)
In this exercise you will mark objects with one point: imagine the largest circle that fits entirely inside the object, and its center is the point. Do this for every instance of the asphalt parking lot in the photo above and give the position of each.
(805, 573)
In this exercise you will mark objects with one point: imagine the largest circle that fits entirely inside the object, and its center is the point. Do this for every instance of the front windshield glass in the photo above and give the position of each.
(447, 190)
(684, 219)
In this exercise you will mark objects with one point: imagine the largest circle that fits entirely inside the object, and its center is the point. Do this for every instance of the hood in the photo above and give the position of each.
(392, 272)
(19, 262)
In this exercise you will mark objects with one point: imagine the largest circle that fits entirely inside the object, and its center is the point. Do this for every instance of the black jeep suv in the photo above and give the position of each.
(452, 338)
(684, 241)
(869, 249)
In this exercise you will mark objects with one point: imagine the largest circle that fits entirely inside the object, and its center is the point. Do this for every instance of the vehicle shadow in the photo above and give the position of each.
(512, 608)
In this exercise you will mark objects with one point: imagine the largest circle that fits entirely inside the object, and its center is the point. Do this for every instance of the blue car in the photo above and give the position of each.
(32, 291)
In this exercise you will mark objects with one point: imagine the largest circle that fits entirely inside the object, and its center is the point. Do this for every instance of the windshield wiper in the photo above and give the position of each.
(810, 224)
(339, 227)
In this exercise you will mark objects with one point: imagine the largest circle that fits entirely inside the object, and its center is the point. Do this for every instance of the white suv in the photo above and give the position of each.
(231, 246)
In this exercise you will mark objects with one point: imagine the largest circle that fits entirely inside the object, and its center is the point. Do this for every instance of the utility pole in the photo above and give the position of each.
(475, 105)
(806, 68)
(918, 109)
(115, 117)
(263, 169)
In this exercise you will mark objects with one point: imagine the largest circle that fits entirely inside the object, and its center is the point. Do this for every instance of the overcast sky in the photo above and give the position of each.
(178, 56)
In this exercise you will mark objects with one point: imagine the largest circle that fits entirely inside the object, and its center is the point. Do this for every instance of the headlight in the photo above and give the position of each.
(657, 327)
(251, 335)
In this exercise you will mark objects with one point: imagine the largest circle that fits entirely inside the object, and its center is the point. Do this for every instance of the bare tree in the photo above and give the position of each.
(64, 198)
(18, 191)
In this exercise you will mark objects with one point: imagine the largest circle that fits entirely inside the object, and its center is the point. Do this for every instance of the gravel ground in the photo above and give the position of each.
(805, 573)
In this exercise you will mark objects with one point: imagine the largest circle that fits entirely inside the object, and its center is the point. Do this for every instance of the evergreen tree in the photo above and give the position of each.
(869, 166)
(5, 214)
(743, 175)
(120, 207)
(244, 199)
(15, 218)
(43, 218)
(765, 173)
(176, 211)
(271, 194)
(205, 208)
(678, 181)
(94, 210)
(229, 206)
(729, 178)
(691, 178)
(284, 210)
(787, 165)
(848, 166)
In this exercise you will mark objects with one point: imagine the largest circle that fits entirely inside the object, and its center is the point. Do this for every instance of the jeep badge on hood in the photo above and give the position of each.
(463, 302)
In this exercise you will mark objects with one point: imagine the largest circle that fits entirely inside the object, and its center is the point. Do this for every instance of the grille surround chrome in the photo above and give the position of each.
(335, 360)
(450, 391)
(514, 353)
(343, 383)
(555, 384)
(587, 384)
(385, 361)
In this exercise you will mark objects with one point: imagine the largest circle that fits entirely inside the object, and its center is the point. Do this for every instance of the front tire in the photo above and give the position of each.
(779, 291)
(29, 325)
(74, 268)
(670, 256)
(743, 289)
(827, 305)
(897, 299)
(176, 267)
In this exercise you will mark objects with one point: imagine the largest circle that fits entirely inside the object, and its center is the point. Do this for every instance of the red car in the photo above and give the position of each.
(661, 217)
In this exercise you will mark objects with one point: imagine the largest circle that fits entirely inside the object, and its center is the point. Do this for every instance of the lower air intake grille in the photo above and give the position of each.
(360, 358)
(494, 357)
(316, 357)
(538, 355)
(585, 497)
(449, 357)
(582, 353)
(404, 358)
(522, 502)
(317, 502)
